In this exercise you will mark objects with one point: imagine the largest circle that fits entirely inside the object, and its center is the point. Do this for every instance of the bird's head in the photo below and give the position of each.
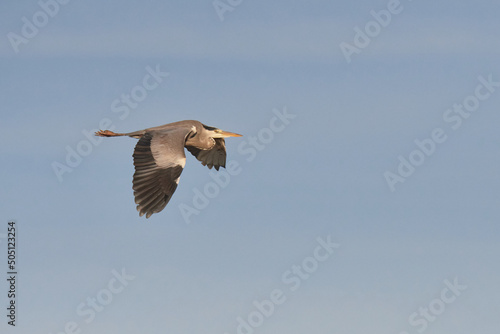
(218, 133)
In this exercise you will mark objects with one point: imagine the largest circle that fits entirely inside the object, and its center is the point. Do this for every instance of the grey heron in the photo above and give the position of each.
(159, 158)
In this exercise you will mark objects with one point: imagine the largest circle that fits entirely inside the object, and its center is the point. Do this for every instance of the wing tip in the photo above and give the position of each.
(143, 212)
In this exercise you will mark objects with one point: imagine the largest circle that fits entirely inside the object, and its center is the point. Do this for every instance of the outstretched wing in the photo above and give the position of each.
(159, 160)
(215, 157)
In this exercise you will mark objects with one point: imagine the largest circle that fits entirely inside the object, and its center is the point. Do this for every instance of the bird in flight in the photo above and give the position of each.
(159, 158)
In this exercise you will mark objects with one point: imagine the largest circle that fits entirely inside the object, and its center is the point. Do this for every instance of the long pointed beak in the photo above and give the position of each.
(229, 134)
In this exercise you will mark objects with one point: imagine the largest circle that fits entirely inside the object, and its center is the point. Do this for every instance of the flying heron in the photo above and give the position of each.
(159, 158)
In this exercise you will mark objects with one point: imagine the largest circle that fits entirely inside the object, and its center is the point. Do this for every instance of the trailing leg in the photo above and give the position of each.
(108, 133)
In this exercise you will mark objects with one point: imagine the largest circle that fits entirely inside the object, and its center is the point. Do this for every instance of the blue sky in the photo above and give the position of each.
(320, 177)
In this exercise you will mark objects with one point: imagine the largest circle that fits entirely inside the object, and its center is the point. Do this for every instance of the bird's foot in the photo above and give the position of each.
(106, 133)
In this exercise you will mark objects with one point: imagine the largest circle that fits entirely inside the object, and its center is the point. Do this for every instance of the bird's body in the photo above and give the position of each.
(159, 158)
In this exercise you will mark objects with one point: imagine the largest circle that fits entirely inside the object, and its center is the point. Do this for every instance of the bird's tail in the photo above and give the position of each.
(107, 133)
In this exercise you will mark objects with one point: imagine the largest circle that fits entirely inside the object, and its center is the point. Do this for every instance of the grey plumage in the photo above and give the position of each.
(215, 157)
(159, 158)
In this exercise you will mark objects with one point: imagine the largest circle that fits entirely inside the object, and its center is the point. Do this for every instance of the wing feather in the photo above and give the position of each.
(159, 159)
(215, 157)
